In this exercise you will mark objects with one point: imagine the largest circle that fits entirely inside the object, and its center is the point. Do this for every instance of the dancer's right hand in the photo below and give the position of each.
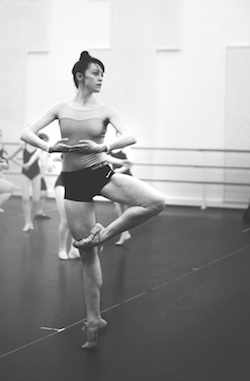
(60, 146)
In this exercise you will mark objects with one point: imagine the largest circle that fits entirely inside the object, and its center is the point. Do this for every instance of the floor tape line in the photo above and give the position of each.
(194, 270)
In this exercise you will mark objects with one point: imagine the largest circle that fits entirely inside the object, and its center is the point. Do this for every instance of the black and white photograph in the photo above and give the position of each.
(124, 190)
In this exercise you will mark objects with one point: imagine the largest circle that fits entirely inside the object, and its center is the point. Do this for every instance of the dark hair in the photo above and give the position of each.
(82, 65)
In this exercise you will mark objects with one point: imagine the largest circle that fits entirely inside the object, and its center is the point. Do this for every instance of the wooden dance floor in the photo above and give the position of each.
(176, 298)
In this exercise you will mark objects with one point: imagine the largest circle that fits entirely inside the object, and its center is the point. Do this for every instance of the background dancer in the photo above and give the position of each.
(44, 166)
(6, 187)
(30, 177)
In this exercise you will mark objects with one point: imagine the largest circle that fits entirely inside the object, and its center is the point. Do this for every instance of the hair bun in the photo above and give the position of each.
(84, 56)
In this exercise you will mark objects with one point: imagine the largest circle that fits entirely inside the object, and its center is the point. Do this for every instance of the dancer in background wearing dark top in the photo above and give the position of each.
(30, 176)
(6, 187)
(83, 122)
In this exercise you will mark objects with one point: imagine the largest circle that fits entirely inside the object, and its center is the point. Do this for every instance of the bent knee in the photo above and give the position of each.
(157, 205)
(10, 188)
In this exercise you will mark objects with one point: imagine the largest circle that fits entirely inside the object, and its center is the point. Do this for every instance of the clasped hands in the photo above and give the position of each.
(83, 146)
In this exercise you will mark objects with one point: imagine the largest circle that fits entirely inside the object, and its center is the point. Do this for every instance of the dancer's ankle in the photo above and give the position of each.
(96, 322)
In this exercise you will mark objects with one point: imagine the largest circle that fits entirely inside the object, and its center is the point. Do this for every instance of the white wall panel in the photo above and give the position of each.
(165, 69)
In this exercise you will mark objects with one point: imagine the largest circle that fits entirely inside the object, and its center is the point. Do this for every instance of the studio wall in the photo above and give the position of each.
(169, 71)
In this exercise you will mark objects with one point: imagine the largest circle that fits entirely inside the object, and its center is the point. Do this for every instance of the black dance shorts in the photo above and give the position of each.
(84, 184)
(59, 181)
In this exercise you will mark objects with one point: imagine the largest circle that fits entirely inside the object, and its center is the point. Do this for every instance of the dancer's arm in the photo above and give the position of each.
(29, 133)
(126, 137)
(15, 153)
(33, 159)
(44, 163)
(123, 164)
(56, 157)
(128, 162)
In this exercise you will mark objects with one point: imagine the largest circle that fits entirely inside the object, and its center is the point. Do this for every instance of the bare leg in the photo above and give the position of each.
(6, 190)
(41, 203)
(124, 235)
(63, 230)
(40, 210)
(30, 210)
(36, 192)
(81, 217)
(4, 197)
(144, 201)
(25, 182)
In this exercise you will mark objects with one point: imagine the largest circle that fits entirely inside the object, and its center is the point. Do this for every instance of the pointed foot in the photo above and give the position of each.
(94, 239)
(93, 332)
(125, 236)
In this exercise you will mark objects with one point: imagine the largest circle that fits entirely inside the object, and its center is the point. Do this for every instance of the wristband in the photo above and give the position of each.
(107, 148)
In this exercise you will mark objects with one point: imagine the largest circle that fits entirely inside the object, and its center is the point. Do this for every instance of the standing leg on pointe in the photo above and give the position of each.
(80, 217)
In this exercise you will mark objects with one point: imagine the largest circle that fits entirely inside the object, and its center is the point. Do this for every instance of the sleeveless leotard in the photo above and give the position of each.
(34, 169)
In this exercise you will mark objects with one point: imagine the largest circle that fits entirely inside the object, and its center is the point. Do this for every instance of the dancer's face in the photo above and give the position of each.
(93, 78)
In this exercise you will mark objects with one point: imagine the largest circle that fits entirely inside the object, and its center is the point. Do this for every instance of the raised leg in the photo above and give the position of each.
(143, 203)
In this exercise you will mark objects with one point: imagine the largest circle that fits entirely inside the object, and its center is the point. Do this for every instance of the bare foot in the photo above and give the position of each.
(27, 227)
(63, 255)
(74, 254)
(123, 237)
